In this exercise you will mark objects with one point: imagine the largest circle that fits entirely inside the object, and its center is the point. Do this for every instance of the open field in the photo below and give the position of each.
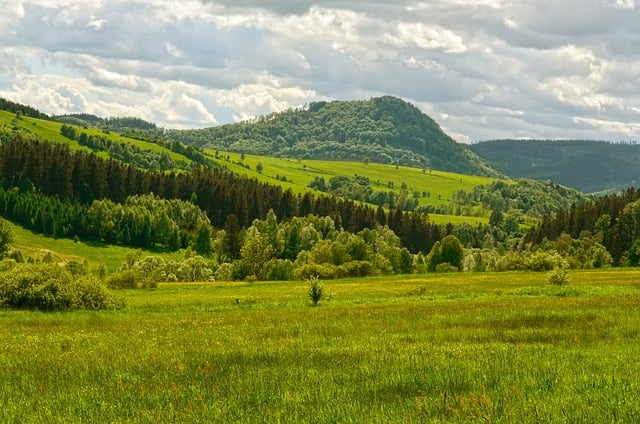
(50, 131)
(499, 348)
(299, 173)
(35, 246)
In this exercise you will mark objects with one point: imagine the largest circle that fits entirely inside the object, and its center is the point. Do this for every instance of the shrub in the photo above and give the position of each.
(224, 272)
(360, 269)
(130, 279)
(52, 288)
(315, 291)
(446, 267)
(558, 277)
(280, 270)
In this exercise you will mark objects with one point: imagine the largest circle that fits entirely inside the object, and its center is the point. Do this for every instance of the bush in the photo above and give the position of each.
(558, 277)
(324, 271)
(131, 279)
(315, 291)
(445, 267)
(224, 272)
(52, 288)
(280, 270)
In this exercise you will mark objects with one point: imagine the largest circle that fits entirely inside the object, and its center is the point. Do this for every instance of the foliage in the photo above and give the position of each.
(126, 279)
(633, 254)
(531, 197)
(447, 251)
(315, 290)
(146, 272)
(5, 238)
(51, 288)
(613, 219)
(583, 164)
(52, 170)
(384, 129)
(558, 277)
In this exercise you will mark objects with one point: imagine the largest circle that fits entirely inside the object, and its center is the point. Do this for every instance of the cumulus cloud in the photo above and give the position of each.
(482, 68)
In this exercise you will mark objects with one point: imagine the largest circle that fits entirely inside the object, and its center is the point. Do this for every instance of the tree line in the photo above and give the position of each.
(614, 218)
(56, 171)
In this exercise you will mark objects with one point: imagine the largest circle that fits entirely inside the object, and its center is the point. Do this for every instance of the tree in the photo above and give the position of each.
(5, 238)
(259, 167)
(448, 250)
(496, 219)
(255, 253)
(203, 243)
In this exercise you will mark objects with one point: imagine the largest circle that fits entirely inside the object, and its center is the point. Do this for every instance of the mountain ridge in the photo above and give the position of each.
(382, 129)
(587, 165)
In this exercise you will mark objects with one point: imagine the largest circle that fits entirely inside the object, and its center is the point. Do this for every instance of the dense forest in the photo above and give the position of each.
(55, 171)
(614, 218)
(384, 129)
(589, 166)
(245, 229)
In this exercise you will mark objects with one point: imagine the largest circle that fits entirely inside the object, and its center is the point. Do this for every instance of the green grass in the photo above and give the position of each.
(299, 173)
(499, 348)
(35, 246)
(50, 131)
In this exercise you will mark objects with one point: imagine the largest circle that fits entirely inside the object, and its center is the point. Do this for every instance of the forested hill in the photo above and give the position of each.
(589, 166)
(383, 129)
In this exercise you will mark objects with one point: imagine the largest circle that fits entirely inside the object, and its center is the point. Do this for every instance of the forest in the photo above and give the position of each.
(241, 228)
(384, 129)
(586, 165)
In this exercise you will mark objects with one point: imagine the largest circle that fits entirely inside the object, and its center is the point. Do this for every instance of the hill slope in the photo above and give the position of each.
(589, 166)
(384, 130)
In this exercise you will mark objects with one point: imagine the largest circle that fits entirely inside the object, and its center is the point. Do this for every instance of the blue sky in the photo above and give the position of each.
(483, 69)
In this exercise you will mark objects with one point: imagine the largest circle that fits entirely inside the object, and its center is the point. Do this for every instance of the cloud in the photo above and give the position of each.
(482, 68)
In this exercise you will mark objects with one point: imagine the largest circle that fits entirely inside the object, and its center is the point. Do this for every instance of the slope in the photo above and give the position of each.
(589, 166)
(384, 130)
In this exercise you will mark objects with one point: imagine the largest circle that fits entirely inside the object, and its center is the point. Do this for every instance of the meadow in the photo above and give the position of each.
(36, 246)
(50, 130)
(498, 348)
(296, 175)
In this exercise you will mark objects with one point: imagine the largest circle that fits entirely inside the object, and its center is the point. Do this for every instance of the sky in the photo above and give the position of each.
(483, 69)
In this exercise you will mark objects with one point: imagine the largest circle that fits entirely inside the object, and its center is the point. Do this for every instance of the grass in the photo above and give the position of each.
(50, 131)
(497, 348)
(35, 246)
(299, 173)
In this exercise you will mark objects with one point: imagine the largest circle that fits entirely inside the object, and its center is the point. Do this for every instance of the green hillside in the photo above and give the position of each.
(50, 131)
(35, 246)
(384, 130)
(430, 188)
(589, 166)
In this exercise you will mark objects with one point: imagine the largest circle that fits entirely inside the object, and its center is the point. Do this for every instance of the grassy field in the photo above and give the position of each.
(35, 246)
(499, 348)
(50, 131)
(299, 173)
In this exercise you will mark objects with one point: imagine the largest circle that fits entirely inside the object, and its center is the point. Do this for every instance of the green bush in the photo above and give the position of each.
(52, 288)
(280, 270)
(130, 279)
(315, 290)
(324, 271)
(558, 277)
(446, 267)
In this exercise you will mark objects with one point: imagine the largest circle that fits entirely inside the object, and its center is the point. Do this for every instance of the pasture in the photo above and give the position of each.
(499, 348)
(440, 185)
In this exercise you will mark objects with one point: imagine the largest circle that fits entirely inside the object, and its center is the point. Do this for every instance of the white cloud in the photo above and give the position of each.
(623, 4)
(484, 68)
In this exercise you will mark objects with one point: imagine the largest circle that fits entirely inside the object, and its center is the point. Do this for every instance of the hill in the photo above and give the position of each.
(140, 149)
(412, 189)
(384, 130)
(589, 166)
